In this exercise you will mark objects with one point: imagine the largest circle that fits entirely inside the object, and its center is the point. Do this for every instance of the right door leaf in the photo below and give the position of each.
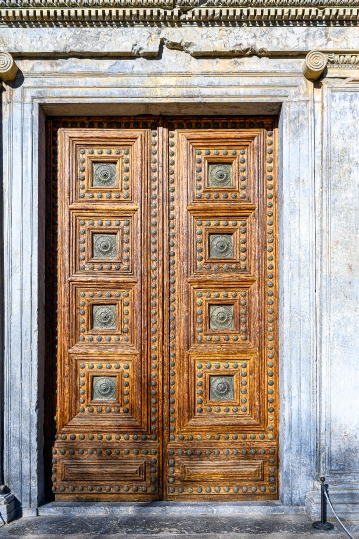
(222, 438)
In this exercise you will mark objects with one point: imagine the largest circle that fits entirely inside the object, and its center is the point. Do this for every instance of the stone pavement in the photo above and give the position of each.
(249, 526)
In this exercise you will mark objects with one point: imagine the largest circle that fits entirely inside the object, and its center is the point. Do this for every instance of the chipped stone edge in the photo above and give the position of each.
(315, 63)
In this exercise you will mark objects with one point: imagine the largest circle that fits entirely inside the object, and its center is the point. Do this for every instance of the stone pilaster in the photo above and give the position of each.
(8, 71)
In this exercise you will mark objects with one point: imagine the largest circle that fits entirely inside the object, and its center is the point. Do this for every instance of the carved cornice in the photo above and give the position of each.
(8, 68)
(171, 4)
(129, 12)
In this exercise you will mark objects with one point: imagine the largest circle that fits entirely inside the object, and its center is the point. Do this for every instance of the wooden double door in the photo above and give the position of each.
(163, 236)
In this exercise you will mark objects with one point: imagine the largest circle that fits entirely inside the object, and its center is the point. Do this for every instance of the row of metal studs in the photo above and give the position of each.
(216, 490)
(126, 437)
(101, 451)
(270, 276)
(100, 124)
(154, 291)
(106, 488)
(172, 279)
(245, 451)
(205, 124)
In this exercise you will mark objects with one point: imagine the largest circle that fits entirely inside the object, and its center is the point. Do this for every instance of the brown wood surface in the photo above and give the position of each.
(166, 231)
(209, 428)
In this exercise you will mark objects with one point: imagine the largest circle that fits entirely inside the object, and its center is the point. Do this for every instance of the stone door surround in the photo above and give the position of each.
(115, 74)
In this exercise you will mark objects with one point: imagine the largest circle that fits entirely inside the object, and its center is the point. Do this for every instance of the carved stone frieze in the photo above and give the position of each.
(238, 12)
(110, 4)
(343, 60)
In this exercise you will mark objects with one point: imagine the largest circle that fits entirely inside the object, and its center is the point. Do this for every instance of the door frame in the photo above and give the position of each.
(24, 286)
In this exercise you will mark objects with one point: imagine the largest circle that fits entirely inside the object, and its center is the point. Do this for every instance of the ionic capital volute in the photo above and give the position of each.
(314, 64)
(8, 67)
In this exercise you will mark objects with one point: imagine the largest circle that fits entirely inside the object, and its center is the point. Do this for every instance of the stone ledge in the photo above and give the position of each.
(167, 508)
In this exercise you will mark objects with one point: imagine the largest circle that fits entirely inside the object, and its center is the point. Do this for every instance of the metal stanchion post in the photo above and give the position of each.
(323, 524)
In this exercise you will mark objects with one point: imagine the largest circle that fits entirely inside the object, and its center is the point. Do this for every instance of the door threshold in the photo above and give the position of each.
(167, 508)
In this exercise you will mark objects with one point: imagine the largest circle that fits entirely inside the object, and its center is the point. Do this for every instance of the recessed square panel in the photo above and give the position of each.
(104, 387)
(104, 242)
(220, 245)
(220, 174)
(104, 314)
(221, 316)
(226, 389)
(104, 174)
(104, 317)
(104, 246)
(221, 388)
(109, 389)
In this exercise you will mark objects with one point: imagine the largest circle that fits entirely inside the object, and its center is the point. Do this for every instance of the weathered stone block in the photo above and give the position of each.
(7, 507)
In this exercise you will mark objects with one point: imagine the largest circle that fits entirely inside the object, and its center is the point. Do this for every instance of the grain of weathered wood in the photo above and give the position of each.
(187, 221)
(104, 327)
(219, 328)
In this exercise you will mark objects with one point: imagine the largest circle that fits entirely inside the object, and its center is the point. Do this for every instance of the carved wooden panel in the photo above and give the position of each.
(108, 440)
(165, 229)
(221, 418)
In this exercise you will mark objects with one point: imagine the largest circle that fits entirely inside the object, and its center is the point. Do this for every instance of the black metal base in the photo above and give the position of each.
(322, 525)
